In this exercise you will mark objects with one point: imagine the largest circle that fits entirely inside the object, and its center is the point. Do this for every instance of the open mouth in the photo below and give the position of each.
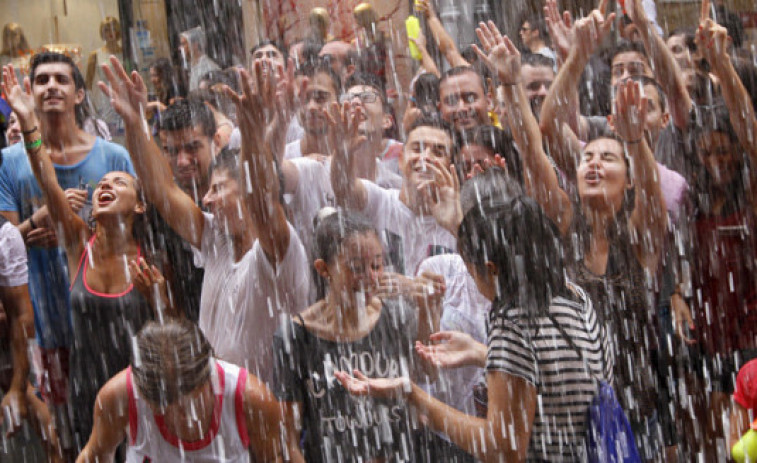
(105, 198)
(593, 177)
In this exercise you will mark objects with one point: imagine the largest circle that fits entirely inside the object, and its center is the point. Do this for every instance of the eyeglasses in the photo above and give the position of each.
(365, 97)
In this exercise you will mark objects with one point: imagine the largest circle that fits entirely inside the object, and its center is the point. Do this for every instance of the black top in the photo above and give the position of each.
(339, 426)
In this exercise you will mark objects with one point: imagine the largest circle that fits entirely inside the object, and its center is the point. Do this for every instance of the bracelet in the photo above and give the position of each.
(32, 146)
(32, 224)
(29, 132)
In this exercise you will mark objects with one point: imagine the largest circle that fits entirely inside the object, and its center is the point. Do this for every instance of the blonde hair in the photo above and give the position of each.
(110, 21)
(10, 31)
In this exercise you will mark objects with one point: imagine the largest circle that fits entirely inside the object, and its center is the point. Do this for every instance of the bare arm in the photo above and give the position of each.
(648, 220)
(502, 436)
(267, 425)
(713, 39)
(541, 179)
(561, 104)
(444, 41)
(427, 63)
(111, 417)
(666, 69)
(75, 231)
(254, 108)
(128, 94)
(349, 190)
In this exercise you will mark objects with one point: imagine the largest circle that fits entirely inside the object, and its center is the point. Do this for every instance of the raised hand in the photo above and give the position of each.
(635, 11)
(344, 134)
(257, 103)
(14, 411)
(426, 8)
(501, 55)
(382, 388)
(712, 38)
(128, 93)
(77, 198)
(19, 99)
(560, 28)
(426, 289)
(452, 349)
(630, 111)
(149, 281)
(444, 192)
(591, 30)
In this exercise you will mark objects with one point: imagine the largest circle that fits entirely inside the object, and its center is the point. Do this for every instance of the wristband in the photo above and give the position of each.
(32, 146)
(32, 224)
(29, 132)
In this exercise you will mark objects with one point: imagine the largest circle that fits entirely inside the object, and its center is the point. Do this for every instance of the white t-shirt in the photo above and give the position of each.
(466, 310)
(243, 302)
(419, 236)
(13, 263)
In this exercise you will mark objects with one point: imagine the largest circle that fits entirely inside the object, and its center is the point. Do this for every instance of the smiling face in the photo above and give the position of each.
(603, 175)
(116, 194)
(423, 144)
(319, 94)
(224, 201)
(54, 89)
(357, 267)
(464, 103)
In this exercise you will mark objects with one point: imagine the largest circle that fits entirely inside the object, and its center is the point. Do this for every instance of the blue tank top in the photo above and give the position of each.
(104, 326)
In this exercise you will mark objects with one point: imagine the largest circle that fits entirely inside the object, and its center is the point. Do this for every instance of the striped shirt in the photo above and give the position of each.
(540, 354)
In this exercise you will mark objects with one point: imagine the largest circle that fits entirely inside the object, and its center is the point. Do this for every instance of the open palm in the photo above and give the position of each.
(499, 53)
(19, 99)
(128, 93)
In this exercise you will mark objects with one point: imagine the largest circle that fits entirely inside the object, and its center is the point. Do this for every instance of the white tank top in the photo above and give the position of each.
(226, 441)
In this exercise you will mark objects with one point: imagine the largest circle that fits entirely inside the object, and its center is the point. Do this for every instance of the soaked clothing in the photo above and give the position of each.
(539, 353)
(226, 440)
(725, 277)
(624, 306)
(104, 326)
(339, 426)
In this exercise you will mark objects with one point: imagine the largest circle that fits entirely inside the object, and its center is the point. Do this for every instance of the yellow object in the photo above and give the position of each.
(495, 119)
(413, 27)
(745, 450)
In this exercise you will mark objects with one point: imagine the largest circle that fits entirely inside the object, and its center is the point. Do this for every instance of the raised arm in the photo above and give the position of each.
(128, 95)
(267, 425)
(349, 190)
(561, 105)
(111, 417)
(648, 220)
(444, 41)
(255, 107)
(666, 69)
(712, 39)
(75, 231)
(540, 177)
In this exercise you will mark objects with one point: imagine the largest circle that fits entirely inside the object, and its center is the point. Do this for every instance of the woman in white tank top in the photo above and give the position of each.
(177, 403)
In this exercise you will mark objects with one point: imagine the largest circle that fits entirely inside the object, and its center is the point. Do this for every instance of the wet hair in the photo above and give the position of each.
(229, 162)
(173, 84)
(506, 227)
(426, 90)
(435, 121)
(368, 80)
(715, 118)
(277, 45)
(170, 359)
(537, 60)
(310, 69)
(83, 110)
(627, 46)
(195, 36)
(183, 114)
(460, 70)
(334, 229)
(494, 139)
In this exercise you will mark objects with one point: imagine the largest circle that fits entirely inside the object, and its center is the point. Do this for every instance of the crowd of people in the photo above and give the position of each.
(298, 261)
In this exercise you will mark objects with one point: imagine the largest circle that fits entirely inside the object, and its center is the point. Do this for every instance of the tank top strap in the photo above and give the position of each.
(239, 383)
(80, 267)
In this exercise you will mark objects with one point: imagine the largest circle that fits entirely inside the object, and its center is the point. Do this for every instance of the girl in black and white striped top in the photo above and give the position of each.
(539, 388)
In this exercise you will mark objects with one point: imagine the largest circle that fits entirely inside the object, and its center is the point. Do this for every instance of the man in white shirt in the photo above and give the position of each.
(254, 260)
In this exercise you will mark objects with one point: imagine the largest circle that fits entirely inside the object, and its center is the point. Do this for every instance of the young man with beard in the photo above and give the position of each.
(80, 161)
(538, 73)
(463, 99)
